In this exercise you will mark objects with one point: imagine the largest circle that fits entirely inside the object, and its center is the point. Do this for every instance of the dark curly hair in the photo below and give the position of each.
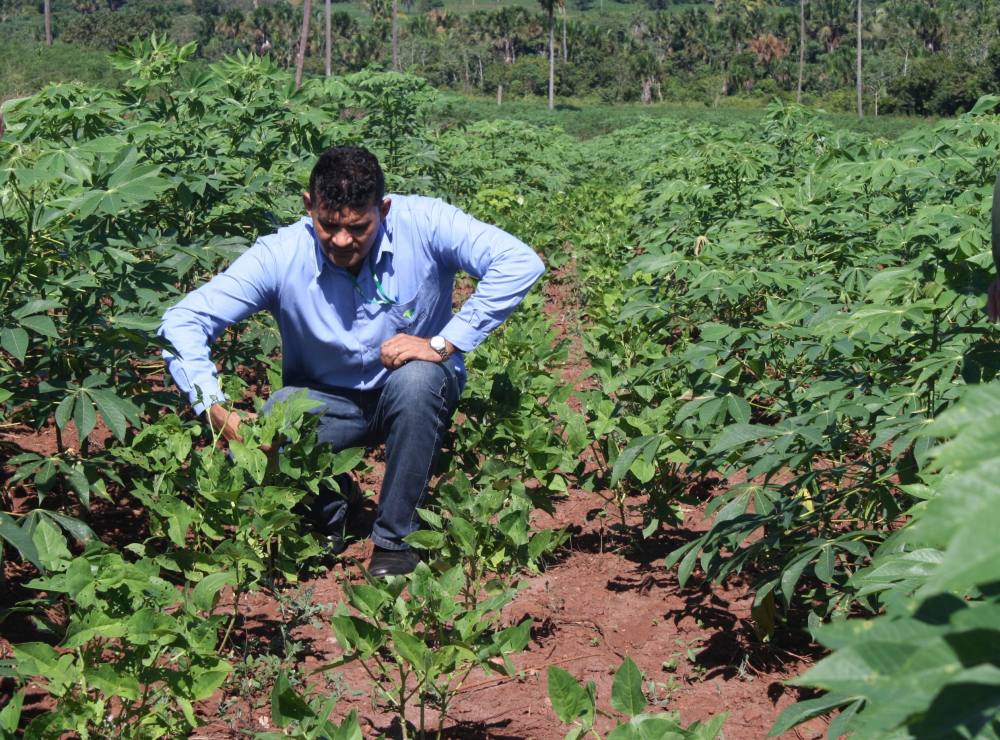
(346, 177)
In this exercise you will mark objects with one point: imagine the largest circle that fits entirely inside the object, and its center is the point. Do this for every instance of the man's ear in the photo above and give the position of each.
(386, 205)
(307, 201)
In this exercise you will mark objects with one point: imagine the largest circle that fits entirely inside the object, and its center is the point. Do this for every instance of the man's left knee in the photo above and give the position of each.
(420, 378)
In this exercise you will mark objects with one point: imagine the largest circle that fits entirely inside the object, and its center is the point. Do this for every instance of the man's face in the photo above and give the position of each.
(346, 235)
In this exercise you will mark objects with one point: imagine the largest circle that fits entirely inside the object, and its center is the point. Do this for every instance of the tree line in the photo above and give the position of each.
(929, 57)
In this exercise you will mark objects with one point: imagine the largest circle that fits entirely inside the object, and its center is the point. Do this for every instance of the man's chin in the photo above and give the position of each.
(344, 261)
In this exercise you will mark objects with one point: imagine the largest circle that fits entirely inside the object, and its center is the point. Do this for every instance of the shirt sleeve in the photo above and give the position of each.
(248, 286)
(506, 268)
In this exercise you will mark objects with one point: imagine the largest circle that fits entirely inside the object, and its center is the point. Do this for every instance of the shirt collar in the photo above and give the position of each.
(383, 245)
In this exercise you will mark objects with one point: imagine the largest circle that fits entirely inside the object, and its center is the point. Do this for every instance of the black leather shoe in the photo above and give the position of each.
(392, 562)
(332, 544)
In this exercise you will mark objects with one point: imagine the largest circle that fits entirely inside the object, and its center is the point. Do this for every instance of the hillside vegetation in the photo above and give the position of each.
(924, 58)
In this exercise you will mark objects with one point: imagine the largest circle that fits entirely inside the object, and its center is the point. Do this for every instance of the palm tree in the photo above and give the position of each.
(47, 10)
(802, 48)
(327, 36)
(549, 6)
(861, 113)
(300, 59)
(395, 36)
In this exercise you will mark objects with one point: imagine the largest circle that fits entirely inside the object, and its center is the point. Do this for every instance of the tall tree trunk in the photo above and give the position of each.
(552, 56)
(329, 42)
(500, 94)
(802, 48)
(861, 113)
(47, 10)
(300, 59)
(395, 36)
(565, 46)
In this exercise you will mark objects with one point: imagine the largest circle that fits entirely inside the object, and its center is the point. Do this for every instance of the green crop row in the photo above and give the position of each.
(790, 309)
(113, 203)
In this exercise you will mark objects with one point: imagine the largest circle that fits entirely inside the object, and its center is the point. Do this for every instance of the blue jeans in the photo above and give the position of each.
(411, 414)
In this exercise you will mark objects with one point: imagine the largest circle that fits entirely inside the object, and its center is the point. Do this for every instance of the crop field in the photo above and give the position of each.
(730, 470)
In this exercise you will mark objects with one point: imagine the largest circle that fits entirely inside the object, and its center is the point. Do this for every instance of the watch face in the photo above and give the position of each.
(437, 343)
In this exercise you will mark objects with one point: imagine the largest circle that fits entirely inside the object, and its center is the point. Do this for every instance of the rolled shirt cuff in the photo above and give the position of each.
(204, 396)
(462, 335)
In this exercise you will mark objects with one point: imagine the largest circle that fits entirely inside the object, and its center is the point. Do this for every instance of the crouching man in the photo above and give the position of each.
(361, 289)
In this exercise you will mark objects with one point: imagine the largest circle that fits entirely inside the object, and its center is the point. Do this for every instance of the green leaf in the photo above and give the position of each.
(630, 454)
(287, 705)
(251, 459)
(349, 729)
(425, 539)
(649, 727)
(366, 599)
(207, 679)
(64, 411)
(74, 527)
(36, 306)
(10, 715)
(739, 409)
(110, 680)
(51, 546)
(14, 339)
(412, 650)
(43, 325)
(19, 539)
(39, 659)
(206, 594)
(626, 691)
(686, 566)
(116, 411)
(93, 625)
(568, 698)
(806, 710)
(84, 416)
(736, 435)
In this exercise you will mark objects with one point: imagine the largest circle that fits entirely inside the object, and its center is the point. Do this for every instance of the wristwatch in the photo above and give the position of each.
(439, 345)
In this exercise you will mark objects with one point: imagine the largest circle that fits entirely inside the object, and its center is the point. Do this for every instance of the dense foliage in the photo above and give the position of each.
(782, 315)
(919, 57)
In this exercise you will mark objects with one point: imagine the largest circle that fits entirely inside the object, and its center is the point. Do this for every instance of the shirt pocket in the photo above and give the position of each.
(403, 316)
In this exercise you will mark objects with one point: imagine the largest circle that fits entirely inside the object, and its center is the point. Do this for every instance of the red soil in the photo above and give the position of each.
(601, 600)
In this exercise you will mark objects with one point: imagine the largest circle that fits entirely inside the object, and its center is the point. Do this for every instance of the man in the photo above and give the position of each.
(361, 289)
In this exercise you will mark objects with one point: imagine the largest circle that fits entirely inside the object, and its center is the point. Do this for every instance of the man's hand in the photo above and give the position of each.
(993, 300)
(226, 422)
(400, 349)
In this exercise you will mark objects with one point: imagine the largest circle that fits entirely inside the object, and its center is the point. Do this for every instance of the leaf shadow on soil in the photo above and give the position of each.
(733, 649)
(457, 731)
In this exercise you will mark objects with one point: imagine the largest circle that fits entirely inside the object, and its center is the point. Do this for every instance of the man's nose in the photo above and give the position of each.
(341, 238)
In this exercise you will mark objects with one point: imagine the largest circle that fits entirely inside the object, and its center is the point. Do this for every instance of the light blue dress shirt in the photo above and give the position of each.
(332, 323)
